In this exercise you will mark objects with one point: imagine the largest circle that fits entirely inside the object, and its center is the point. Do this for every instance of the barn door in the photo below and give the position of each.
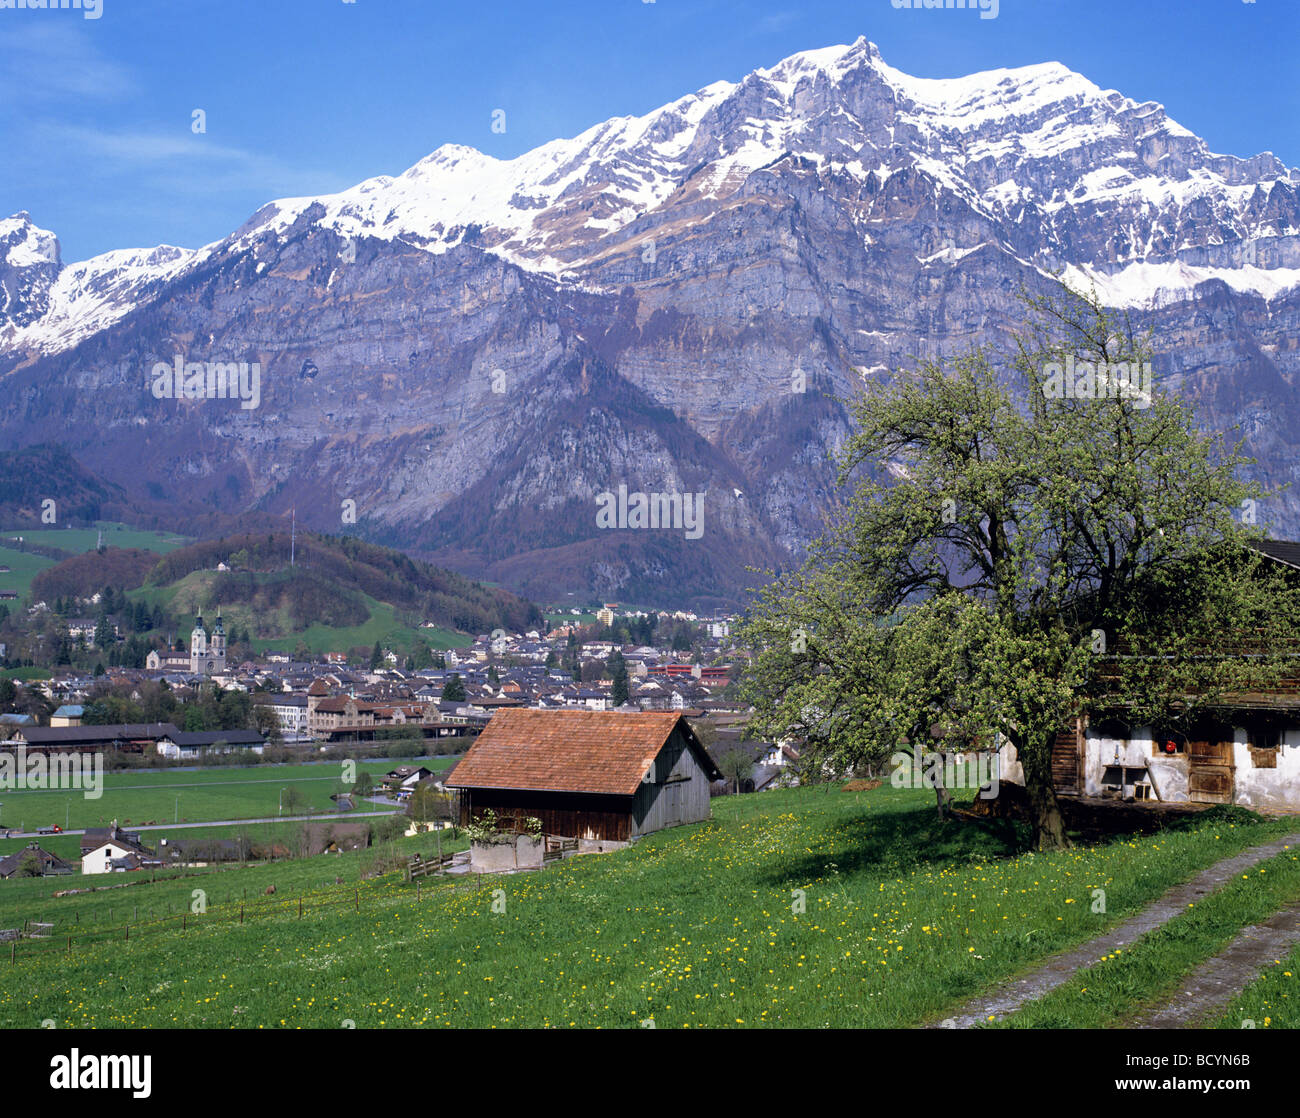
(1209, 772)
(672, 813)
(1065, 760)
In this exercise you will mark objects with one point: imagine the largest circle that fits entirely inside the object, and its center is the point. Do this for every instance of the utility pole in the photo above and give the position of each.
(293, 534)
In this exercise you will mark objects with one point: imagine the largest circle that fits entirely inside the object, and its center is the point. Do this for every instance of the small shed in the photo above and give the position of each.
(596, 775)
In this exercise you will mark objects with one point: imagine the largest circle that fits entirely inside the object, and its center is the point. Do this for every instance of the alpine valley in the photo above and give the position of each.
(475, 350)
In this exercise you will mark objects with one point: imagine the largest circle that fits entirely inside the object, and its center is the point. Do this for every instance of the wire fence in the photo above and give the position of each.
(39, 939)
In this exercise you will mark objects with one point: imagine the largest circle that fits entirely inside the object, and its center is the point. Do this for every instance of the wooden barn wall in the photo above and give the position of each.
(678, 793)
(572, 815)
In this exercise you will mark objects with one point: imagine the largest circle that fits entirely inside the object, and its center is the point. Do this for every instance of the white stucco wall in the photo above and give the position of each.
(1168, 771)
(1009, 767)
(1268, 788)
(97, 861)
(1277, 788)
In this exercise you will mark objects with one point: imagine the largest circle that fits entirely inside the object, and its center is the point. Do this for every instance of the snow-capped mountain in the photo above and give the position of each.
(660, 277)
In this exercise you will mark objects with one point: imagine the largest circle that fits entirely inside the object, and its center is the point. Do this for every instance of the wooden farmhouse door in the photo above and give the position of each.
(672, 797)
(1065, 760)
(1209, 772)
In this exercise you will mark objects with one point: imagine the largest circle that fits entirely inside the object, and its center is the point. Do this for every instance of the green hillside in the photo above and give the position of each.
(85, 570)
(804, 908)
(339, 593)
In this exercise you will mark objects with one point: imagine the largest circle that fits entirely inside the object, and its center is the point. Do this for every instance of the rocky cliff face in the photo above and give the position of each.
(477, 349)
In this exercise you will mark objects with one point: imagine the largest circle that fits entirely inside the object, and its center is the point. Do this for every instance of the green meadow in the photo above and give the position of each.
(23, 567)
(797, 908)
(87, 539)
(134, 797)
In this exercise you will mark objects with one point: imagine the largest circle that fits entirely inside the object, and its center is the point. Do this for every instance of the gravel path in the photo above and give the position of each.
(1046, 976)
(1215, 984)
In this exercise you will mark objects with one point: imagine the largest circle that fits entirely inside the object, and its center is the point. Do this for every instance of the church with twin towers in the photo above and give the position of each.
(208, 655)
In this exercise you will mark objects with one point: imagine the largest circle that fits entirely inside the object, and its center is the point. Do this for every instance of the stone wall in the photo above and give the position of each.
(524, 853)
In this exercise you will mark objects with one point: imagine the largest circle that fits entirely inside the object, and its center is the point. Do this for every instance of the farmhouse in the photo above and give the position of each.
(41, 861)
(117, 853)
(403, 779)
(1245, 750)
(594, 775)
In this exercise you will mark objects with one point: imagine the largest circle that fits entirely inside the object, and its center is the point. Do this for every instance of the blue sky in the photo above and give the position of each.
(312, 96)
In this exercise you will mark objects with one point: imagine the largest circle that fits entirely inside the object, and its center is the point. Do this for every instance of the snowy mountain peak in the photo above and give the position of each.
(24, 244)
(1046, 164)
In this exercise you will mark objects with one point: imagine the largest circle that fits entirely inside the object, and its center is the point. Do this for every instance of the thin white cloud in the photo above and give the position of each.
(51, 60)
(184, 163)
(136, 149)
(777, 21)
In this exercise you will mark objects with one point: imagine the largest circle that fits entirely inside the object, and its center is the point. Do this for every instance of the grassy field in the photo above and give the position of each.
(151, 899)
(23, 568)
(798, 908)
(564, 617)
(86, 539)
(382, 626)
(183, 795)
(24, 673)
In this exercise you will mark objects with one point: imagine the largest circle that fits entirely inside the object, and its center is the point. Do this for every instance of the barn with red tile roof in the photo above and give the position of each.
(602, 775)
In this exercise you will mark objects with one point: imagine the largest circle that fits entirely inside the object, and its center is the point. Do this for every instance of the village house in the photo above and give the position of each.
(186, 745)
(403, 779)
(290, 711)
(69, 714)
(32, 855)
(117, 852)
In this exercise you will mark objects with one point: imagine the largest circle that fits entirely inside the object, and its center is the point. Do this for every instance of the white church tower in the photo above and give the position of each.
(217, 649)
(198, 647)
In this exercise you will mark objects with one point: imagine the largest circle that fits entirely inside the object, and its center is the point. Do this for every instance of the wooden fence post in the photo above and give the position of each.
(358, 898)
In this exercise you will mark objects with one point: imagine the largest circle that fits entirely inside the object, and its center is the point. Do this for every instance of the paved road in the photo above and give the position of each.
(327, 817)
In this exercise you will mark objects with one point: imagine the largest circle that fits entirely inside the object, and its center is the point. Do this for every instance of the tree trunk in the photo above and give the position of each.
(942, 795)
(1046, 817)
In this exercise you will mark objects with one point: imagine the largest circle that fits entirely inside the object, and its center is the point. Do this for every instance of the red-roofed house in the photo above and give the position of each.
(596, 775)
